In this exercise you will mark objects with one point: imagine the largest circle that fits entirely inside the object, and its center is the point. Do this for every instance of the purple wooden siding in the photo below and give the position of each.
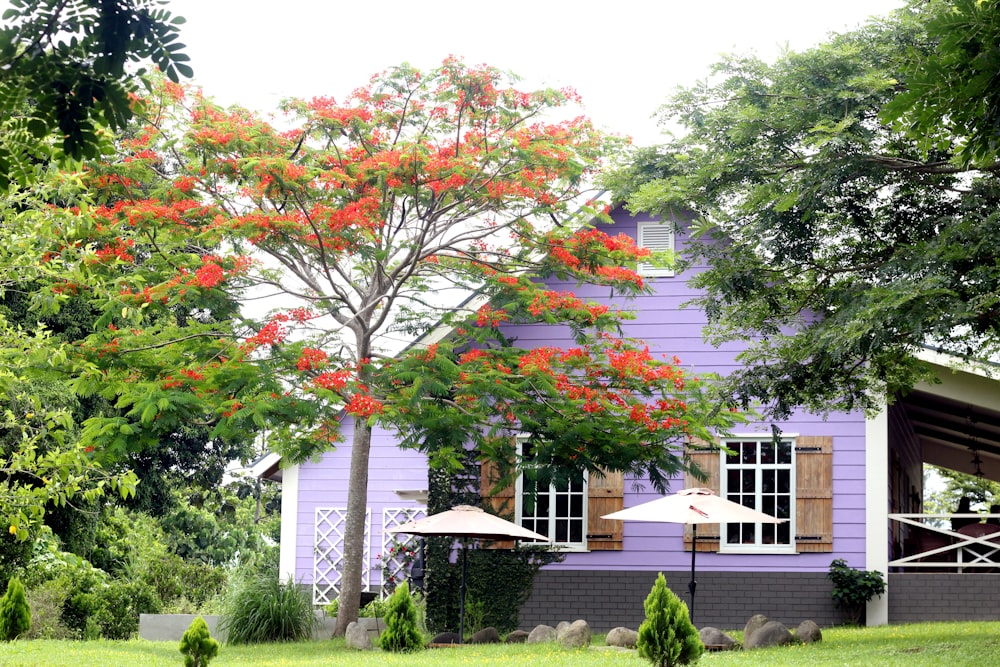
(669, 330)
(324, 484)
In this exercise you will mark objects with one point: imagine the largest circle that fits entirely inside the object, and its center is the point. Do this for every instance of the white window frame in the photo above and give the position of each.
(656, 236)
(519, 507)
(758, 548)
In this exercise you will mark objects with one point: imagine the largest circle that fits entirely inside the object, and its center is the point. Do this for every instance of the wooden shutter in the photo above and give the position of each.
(814, 493)
(605, 494)
(708, 460)
(500, 500)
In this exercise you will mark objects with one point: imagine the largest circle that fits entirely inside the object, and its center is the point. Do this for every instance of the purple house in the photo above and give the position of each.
(851, 485)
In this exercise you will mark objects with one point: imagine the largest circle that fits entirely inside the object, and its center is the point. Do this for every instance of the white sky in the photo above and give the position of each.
(624, 56)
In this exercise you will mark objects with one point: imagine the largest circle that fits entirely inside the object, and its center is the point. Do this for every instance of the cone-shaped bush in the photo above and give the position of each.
(667, 637)
(197, 644)
(15, 615)
(401, 634)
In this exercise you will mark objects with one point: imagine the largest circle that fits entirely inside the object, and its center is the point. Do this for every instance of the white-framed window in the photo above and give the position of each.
(557, 509)
(759, 473)
(656, 236)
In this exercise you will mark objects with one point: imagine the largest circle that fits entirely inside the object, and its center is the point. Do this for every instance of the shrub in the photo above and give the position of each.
(377, 608)
(667, 637)
(15, 615)
(853, 589)
(262, 609)
(197, 644)
(119, 605)
(401, 634)
(47, 602)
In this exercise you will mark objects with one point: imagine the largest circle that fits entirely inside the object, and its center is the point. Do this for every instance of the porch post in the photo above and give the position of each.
(877, 508)
(289, 523)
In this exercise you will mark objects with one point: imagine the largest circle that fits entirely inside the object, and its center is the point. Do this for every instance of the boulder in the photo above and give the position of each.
(541, 634)
(561, 625)
(517, 637)
(486, 636)
(362, 636)
(717, 640)
(808, 632)
(772, 634)
(624, 637)
(756, 622)
(446, 638)
(575, 634)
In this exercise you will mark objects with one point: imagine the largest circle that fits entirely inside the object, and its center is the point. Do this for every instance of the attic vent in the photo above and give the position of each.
(655, 236)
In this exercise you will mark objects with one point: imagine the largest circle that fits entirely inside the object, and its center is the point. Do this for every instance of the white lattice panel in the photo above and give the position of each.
(328, 553)
(395, 565)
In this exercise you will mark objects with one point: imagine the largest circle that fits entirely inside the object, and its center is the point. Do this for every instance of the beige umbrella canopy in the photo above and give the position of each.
(467, 522)
(692, 506)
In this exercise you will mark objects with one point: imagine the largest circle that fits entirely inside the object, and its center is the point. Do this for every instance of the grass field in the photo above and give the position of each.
(918, 645)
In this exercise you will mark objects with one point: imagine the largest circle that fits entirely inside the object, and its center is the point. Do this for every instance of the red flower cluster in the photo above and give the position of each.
(362, 405)
(311, 359)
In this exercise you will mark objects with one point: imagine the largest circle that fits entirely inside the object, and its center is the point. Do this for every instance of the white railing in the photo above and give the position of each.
(974, 547)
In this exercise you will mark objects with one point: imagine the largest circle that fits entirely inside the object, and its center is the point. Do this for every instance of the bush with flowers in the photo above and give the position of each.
(397, 562)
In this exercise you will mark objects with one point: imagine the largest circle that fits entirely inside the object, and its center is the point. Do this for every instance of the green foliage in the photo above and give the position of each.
(853, 588)
(982, 493)
(402, 632)
(260, 608)
(377, 608)
(838, 246)
(65, 75)
(47, 602)
(197, 644)
(119, 605)
(15, 614)
(498, 580)
(667, 637)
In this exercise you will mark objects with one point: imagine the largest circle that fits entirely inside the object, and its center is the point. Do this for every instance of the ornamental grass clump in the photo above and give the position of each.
(15, 615)
(667, 637)
(401, 634)
(197, 644)
(263, 609)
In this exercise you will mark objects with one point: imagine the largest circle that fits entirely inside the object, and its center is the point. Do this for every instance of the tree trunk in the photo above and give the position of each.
(354, 538)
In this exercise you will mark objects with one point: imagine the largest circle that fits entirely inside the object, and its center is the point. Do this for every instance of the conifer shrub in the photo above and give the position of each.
(667, 637)
(197, 644)
(401, 634)
(15, 615)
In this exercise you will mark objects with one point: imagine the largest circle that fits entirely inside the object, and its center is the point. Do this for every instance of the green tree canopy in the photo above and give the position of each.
(837, 244)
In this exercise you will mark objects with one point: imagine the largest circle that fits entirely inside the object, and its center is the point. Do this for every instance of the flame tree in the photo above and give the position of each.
(362, 217)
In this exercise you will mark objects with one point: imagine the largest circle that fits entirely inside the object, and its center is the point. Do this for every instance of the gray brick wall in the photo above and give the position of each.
(938, 596)
(723, 599)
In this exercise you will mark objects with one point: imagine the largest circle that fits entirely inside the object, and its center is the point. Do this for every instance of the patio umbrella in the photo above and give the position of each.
(466, 522)
(692, 506)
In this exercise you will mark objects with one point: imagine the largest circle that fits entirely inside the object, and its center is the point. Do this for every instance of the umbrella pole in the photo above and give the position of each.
(692, 585)
(461, 609)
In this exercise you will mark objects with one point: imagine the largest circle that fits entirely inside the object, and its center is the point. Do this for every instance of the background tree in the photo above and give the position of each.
(66, 80)
(838, 245)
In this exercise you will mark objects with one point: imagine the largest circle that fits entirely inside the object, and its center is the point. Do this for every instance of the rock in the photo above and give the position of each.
(623, 637)
(756, 622)
(542, 634)
(486, 636)
(575, 634)
(808, 632)
(517, 637)
(561, 625)
(772, 634)
(446, 638)
(716, 639)
(362, 634)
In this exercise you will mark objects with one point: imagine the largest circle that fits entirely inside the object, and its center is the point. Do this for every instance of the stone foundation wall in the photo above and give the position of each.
(940, 596)
(723, 599)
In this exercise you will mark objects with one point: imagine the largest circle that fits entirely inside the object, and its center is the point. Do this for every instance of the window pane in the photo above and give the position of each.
(562, 530)
(749, 450)
(562, 505)
(785, 452)
(767, 452)
(784, 481)
(767, 481)
(749, 481)
(576, 505)
(576, 531)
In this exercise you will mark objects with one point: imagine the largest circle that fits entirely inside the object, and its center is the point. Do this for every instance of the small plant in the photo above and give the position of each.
(197, 644)
(402, 633)
(853, 589)
(377, 608)
(333, 608)
(667, 637)
(15, 615)
(262, 609)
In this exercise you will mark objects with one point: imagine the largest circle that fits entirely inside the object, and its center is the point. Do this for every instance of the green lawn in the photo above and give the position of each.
(919, 645)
